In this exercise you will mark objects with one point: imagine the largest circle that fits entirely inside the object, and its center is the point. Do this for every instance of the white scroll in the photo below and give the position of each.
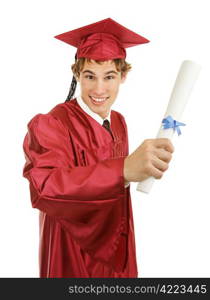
(186, 78)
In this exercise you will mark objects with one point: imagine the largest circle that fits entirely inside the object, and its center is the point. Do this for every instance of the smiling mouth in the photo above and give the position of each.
(98, 100)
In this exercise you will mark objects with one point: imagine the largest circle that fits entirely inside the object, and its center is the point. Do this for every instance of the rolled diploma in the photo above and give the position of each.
(184, 83)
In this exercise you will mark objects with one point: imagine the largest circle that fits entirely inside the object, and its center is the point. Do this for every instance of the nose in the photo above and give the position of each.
(99, 88)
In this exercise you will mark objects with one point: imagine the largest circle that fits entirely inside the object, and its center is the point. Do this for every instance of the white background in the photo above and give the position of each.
(172, 222)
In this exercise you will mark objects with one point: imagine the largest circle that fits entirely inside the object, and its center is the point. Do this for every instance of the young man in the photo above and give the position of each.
(78, 165)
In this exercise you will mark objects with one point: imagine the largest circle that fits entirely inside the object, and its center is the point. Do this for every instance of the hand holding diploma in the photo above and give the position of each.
(151, 158)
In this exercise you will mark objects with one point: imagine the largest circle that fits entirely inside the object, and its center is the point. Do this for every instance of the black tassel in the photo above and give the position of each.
(73, 85)
(72, 89)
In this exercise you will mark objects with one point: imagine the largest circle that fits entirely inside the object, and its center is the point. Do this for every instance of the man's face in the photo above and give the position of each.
(99, 84)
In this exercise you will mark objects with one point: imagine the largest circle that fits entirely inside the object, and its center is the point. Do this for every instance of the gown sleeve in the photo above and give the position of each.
(88, 201)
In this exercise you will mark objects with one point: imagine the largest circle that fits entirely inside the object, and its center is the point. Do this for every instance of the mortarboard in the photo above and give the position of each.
(102, 40)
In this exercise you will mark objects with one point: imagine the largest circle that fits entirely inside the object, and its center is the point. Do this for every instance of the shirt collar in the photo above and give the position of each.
(95, 116)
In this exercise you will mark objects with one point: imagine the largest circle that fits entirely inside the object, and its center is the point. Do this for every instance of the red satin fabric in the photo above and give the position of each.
(75, 170)
(101, 46)
(102, 40)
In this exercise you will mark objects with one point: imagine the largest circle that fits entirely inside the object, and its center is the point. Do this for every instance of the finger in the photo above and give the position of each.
(156, 173)
(159, 164)
(163, 154)
(164, 143)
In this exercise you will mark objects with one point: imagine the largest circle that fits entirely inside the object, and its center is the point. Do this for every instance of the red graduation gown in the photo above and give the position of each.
(75, 170)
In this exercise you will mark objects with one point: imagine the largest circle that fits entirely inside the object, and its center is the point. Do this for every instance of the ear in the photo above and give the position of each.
(123, 78)
(77, 77)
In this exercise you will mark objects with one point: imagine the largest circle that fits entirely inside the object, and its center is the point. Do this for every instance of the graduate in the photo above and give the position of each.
(78, 163)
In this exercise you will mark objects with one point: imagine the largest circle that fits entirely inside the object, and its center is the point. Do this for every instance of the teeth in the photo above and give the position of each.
(98, 99)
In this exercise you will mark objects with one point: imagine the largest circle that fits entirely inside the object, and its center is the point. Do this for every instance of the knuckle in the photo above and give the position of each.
(148, 141)
(147, 155)
(148, 168)
(170, 145)
(148, 145)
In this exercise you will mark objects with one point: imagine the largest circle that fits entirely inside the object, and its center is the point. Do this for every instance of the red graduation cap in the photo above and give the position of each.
(102, 40)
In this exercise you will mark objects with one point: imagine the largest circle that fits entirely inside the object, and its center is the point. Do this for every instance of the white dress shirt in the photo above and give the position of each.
(95, 116)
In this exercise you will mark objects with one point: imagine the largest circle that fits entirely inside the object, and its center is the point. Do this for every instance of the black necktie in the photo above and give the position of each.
(106, 125)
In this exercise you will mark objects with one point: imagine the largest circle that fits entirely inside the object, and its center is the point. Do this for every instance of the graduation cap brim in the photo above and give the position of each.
(127, 37)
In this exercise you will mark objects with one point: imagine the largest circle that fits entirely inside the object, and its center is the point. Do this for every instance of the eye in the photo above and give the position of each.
(89, 77)
(110, 77)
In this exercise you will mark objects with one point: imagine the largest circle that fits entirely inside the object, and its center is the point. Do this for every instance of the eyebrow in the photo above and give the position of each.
(91, 72)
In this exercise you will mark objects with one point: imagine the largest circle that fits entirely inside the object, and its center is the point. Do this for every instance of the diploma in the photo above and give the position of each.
(184, 83)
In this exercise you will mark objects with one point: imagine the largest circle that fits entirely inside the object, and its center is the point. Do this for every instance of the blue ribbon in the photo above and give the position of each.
(169, 122)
